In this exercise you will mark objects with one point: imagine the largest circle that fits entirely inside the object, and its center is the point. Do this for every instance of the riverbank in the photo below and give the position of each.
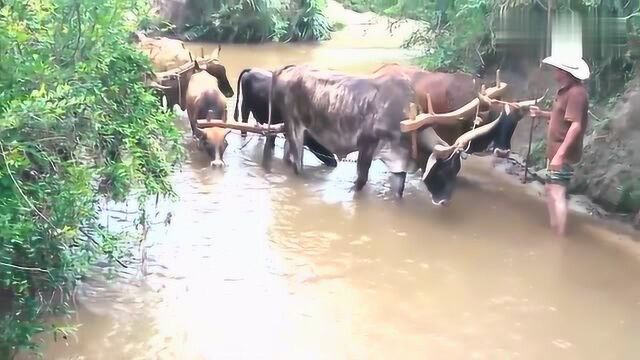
(371, 29)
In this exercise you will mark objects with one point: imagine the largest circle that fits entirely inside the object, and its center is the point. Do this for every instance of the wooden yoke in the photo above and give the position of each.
(430, 118)
(450, 118)
(235, 125)
(413, 112)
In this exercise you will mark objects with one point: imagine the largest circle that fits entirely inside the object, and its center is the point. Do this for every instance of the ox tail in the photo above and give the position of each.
(238, 90)
(267, 153)
(270, 98)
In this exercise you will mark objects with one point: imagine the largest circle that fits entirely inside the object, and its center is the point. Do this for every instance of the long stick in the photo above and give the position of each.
(526, 161)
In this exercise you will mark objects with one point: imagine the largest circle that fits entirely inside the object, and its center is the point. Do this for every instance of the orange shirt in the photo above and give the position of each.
(571, 104)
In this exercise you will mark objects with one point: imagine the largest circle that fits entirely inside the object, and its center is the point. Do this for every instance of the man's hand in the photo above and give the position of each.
(557, 161)
(535, 111)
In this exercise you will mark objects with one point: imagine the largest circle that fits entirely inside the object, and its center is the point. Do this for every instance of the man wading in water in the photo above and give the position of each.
(568, 121)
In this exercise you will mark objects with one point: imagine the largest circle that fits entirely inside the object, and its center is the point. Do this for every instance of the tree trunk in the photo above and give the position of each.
(550, 6)
(441, 7)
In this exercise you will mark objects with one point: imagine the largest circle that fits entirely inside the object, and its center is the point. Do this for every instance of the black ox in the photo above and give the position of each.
(255, 84)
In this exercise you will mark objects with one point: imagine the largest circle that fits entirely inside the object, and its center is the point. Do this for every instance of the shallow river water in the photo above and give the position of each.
(273, 266)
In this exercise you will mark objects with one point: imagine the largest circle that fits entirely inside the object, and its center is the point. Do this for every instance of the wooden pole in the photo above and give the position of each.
(526, 160)
(550, 5)
(253, 128)
(202, 52)
(413, 112)
(429, 105)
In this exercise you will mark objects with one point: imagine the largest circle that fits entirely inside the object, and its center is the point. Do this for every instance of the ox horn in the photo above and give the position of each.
(533, 102)
(156, 85)
(440, 148)
(484, 99)
(463, 140)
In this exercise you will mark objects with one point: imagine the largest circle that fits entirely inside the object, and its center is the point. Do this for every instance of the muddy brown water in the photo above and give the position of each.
(273, 266)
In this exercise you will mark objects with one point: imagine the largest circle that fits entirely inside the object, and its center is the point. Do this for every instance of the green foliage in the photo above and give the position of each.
(75, 122)
(458, 40)
(258, 20)
(630, 196)
(456, 32)
(411, 9)
(538, 155)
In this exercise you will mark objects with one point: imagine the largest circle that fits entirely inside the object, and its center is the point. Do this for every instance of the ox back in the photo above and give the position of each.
(209, 100)
(341, 111)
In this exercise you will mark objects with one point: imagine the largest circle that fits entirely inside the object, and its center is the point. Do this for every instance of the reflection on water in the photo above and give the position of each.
(272, 266)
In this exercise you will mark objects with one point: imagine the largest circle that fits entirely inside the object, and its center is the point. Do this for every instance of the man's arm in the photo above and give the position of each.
(573, 134)
(535, 112)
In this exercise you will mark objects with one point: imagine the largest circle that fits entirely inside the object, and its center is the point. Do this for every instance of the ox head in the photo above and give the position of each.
(444, 163)
(214, 142)
(159, 90)
(216, 69)
(509, 115)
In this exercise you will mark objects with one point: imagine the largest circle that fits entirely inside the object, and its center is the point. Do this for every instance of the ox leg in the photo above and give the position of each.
(295, 137)
(365, 157)
(397, 183)
(322, 153)
(297, 151)
(244, 112)
(267, 152)
(287, 154)
(193, 123)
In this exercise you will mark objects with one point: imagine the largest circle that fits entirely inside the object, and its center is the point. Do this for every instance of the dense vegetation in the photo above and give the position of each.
(256, 20)
(76, 125)
(460, 30)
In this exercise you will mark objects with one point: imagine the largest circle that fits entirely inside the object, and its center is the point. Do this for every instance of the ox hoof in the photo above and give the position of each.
(358, 186)
(501, 153)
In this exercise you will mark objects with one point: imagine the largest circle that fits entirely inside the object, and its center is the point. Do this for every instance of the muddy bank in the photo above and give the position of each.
(610, 170)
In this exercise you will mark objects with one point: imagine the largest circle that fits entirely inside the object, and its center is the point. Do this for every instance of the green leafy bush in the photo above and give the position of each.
(257, 20)
(76, 124)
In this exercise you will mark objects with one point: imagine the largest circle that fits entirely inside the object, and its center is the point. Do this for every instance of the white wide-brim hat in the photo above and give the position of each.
(577, 67)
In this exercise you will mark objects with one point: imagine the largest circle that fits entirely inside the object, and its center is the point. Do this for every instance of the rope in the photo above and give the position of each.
(247, 142)
(475, 124)
(179, 88)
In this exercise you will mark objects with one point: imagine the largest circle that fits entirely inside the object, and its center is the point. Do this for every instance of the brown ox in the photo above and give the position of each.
(450, 91)
(205, 100)
(173, 84)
